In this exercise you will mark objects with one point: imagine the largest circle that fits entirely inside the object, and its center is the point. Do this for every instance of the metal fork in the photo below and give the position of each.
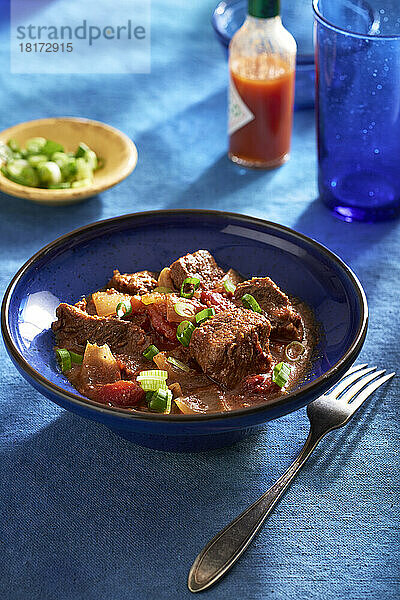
(328, 412)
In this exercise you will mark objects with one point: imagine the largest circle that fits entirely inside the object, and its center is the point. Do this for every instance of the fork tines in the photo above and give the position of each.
(362, 382)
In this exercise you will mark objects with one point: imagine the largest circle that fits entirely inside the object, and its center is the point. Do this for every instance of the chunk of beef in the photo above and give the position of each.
(141, 282)
(81, 304)
(200, 264)
(87, 305)
(231, 345)
(285, 320)
(74, 328)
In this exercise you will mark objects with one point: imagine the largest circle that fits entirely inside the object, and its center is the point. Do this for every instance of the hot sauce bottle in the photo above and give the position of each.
(262, 60)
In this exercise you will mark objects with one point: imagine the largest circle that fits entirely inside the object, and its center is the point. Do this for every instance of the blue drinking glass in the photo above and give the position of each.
(357, 53)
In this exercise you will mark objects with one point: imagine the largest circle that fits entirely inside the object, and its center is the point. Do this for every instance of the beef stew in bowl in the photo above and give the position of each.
(191, 339)
(83, 260)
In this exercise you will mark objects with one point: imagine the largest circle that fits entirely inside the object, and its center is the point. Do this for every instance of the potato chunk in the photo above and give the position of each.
(99, 365)
(106, 302)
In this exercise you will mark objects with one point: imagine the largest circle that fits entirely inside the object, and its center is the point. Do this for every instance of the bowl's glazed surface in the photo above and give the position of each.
(83, 261)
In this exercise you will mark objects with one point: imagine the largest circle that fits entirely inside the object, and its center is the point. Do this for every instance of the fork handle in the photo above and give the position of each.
(221, 553)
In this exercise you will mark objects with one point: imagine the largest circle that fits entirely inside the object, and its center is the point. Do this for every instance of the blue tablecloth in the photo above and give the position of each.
(88, 515)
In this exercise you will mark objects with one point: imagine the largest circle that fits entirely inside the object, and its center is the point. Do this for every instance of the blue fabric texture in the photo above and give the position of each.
(86, 515)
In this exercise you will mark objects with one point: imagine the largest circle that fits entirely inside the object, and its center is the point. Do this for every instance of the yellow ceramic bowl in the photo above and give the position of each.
(117, 150)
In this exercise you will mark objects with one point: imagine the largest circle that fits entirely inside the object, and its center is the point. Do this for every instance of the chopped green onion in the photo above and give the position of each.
(281, 374)
(294, 351)
(162, 290)
(21, 172)
(148, 397)
(15, 167)
(64, 359)
(6, 153)
(76, 358)
(81, 183)
(36, 159)
(123, 308)
(192, 283)
(68, 169)
(35, 145)
(151, 385)
(229, 286)
(153, 373)
(49, 172)
(83, 170)
(150, 352)
(184, 332)
(51, 147)
(205, 314)
(13, 145)
(152, 380)
(250, 302)
(184, 309)
(61, 158)
(177, 363)
(91, 159)
(59, 186)
(29, 177)
(47, 165)
(160, 401)
(82, 149)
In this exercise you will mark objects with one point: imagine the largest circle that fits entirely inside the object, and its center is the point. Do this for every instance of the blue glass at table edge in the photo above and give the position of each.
(358, 122)
(310, 272)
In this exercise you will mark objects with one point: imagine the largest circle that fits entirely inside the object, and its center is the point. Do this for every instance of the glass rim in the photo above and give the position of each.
(369, 36)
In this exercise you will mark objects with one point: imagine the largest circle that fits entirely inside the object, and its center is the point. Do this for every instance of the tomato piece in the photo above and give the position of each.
(158, 318)
(137, 305)
(260, 384)
(121, 393)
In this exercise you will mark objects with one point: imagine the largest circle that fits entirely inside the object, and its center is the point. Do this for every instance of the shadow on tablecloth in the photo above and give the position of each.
(91, 515)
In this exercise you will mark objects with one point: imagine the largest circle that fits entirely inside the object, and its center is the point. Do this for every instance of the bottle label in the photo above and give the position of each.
(239, 112)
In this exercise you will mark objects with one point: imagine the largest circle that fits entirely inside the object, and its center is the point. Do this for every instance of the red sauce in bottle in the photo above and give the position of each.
(266, 85)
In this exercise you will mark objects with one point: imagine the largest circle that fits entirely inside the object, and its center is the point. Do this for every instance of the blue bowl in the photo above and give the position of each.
(82, 261)
(297, 17)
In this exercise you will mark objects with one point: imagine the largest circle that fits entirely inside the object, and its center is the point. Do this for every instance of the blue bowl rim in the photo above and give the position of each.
(340, 366)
